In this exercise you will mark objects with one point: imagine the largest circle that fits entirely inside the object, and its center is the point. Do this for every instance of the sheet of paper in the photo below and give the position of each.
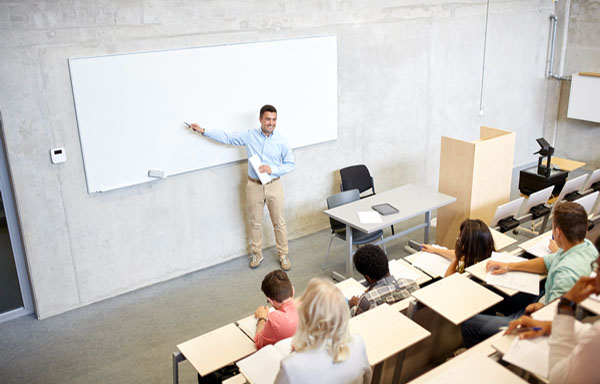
(521, 281)
(248, 324)
(400, 271)
(352, 290)
(594, 296)
(256, 162)
(530, 354)
(431, 263)
(284, 346)
(369, 217)
(261, 367)
(540, 248)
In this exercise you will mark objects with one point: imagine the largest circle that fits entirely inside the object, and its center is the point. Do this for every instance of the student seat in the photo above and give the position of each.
(339, 229)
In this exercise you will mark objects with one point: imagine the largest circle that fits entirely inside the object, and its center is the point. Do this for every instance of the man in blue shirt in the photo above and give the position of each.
(276, 160)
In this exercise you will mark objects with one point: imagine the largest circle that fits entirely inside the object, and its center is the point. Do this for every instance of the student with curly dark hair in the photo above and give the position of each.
(372, 262)
(474, 244)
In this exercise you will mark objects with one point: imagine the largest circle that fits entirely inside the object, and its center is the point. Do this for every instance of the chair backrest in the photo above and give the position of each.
(338, 199)
(357, 177)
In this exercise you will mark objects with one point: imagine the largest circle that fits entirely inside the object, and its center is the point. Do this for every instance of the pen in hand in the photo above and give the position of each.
(519, 329)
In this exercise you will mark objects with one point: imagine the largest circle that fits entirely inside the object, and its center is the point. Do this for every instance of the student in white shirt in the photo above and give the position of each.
(573, 355)
(324, 350)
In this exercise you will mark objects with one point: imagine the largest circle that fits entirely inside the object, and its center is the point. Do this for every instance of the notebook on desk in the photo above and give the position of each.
(262, 367)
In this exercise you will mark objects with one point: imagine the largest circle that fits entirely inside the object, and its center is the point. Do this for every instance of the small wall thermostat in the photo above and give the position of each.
(58, 155)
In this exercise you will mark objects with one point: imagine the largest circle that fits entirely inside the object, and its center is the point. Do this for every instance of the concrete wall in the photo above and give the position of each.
(578, 139)
(409, 72)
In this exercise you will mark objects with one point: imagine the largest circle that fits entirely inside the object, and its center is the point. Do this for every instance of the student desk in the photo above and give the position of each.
(546, 313)
(423, 277)
(456, 297)
(479, 272)
(472, 366)
(350, 285)
(501, 240)
(412, 258)
(386, 332)
(591, 305)
(213, 350)
(532, 244)
(566, 164)
(411, 201)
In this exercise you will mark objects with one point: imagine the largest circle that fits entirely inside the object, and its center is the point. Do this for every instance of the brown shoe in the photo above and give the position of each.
(285, 263)
(255, 260)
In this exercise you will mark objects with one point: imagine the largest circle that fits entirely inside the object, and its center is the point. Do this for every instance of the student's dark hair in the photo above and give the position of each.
(277, 286)
(267, 108)
(475, 242)
(370, 260)
(572, 220)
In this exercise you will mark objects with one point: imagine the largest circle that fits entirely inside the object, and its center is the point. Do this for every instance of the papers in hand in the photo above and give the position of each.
(255, 162)
(400, 271)
(521, 281)
(350, 288)
(369, 217)
(248, 324)
(262, 367)
(533, 354)
(530, 354)
(434, 265)
(540, 247)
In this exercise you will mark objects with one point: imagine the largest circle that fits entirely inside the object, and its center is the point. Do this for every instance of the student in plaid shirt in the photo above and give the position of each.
(372, 263)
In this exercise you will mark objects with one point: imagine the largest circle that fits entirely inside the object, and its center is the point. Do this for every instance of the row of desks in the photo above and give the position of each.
(386, 331)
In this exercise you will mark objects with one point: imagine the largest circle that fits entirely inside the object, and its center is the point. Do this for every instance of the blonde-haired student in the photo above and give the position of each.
(324, 350)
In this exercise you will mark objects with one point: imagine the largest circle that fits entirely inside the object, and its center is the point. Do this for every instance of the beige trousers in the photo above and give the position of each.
(271, 194)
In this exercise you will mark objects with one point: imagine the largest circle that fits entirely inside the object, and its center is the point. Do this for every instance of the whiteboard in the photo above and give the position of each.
(584, 103)
(130, 107)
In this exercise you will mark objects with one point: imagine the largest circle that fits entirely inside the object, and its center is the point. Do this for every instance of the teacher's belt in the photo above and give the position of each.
(259, 183)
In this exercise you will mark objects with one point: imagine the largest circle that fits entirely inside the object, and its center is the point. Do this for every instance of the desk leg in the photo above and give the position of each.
(427, 226)
(177, 358)
(398, 367)
(377, 372)
(544, 223)
(413, 305)
(349, 272)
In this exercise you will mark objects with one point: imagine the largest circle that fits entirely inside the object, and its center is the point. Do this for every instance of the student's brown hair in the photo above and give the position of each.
(475, 242)
(571, 219)
(277, 286)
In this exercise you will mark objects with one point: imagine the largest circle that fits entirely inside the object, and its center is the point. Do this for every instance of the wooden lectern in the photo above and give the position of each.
(478, 174)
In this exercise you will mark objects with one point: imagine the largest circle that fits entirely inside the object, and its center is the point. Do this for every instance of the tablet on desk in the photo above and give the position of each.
(385, 209)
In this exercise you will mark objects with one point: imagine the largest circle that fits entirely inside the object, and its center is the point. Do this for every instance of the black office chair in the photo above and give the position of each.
(358, 177)
(339, 229)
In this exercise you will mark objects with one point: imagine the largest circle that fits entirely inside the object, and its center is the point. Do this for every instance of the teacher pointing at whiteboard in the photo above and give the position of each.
(276, 160)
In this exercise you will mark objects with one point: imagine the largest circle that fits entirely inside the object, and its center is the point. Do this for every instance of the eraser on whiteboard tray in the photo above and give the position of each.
(156, 173)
